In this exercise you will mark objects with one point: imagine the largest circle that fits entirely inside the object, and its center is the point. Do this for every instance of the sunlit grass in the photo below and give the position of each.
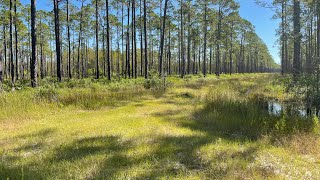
(199, 128)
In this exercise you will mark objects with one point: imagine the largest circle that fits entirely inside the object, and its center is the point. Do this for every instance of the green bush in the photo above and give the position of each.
(154, 82)
(48, 81)
(188, 77)
(46, 93)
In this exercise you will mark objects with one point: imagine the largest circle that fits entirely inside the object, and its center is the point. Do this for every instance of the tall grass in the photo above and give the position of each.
(199, 128)
(26, 103)
(241, 109)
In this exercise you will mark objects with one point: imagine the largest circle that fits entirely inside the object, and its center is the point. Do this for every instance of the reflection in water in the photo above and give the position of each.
(276, 108)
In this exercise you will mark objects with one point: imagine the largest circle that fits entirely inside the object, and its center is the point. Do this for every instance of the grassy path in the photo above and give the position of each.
(171, 135)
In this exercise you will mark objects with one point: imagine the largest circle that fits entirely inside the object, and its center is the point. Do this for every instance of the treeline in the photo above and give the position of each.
(127, 39)
(299, 34)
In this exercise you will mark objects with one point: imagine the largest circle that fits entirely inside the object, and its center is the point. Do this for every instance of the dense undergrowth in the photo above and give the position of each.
(250, 101)
(187, 128)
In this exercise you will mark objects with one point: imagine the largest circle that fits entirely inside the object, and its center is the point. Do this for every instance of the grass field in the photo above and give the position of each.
(198, 128)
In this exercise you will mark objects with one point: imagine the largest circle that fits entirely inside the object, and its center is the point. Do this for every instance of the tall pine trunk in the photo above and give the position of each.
(145, 39)
(182, 41)
(57, 37)
(231, 49)
(205, 39)
(33, 64)
(162, 38)
(16, 39)
(297, 38)
(218, 64)
(11, 45)
(97, 42)
(79, 40)
(128, 42)
(108, 40)
(69, 42)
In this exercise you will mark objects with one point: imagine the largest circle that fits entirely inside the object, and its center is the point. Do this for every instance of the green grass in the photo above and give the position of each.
(199, 128)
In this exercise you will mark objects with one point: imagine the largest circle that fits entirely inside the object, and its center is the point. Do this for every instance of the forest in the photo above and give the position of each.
(128, 40)
(169, 89)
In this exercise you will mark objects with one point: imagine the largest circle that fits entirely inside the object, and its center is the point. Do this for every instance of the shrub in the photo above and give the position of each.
(154, 82)
(48, 81)
(72, 83)
(188, 77)
(47, 93)
(21, 84)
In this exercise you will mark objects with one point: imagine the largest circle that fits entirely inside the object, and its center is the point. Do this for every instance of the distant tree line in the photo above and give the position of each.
(299, 33)
(131, 38)
(299, 38)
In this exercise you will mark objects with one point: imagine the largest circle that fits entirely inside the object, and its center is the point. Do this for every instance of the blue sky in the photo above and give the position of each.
(260, 17)
(266, 27)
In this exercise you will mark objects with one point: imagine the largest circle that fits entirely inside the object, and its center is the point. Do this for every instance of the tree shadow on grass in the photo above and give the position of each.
(85, 147)
(10, 163)
(170, 155)
(111, 148)
(175, 155)
(233, 122)
(180, 155)
(40, 134)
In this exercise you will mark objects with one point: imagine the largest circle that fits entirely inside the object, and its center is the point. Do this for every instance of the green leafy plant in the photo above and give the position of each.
(46, 93)
(154, 82)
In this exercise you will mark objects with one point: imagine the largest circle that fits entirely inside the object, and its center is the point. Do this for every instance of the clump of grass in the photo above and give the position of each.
(198, 83)
(49, 94)
(22, 106)
(97, 97)
(188, 95)
(155, 82)
(302, 143)
(230, 111)
(89, 93)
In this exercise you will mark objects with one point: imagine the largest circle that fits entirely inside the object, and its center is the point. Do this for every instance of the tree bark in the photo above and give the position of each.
(11, 46)
(141, 41)
(134, 40)
(205, 39)
(128, 41)
(16, 39)
(33, 64)
(297, 38)
(145, 40)
(57, 37)
(97, 42)
(41, 51)
(79, 40)
(5, 51)
(69, 42)
(189, 40)
(218, 65)
(282, 39)
(162, 38)
(182, 41)
(108, 40)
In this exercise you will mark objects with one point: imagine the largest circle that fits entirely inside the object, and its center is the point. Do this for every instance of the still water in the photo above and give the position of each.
(276, 108)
